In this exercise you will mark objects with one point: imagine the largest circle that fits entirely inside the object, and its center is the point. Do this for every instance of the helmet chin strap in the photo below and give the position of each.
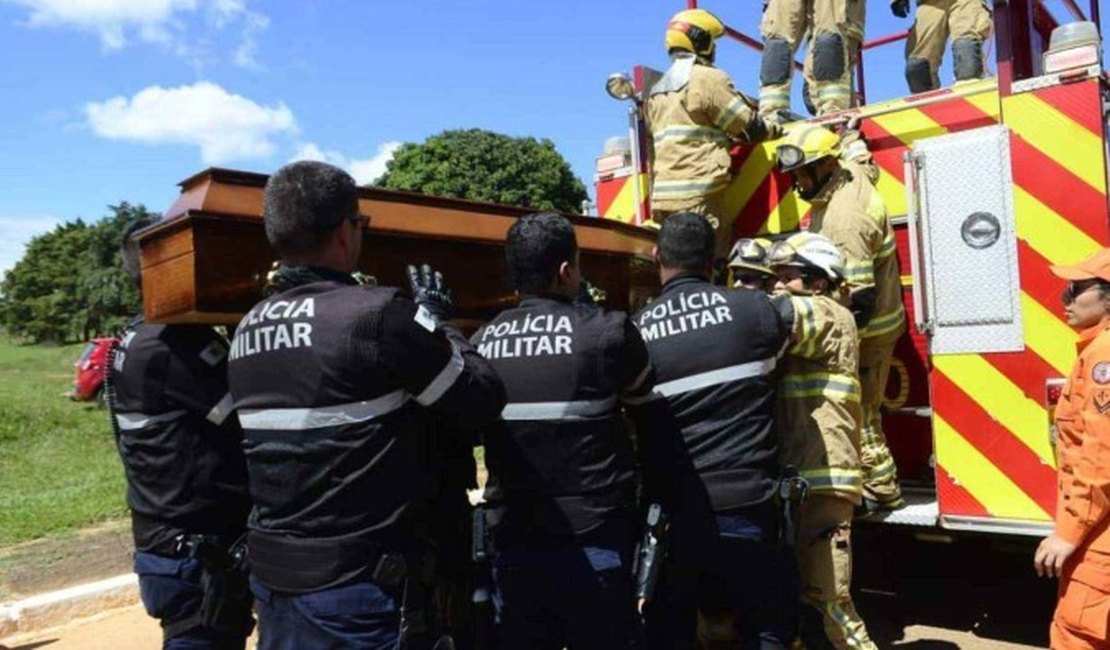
(816, 185)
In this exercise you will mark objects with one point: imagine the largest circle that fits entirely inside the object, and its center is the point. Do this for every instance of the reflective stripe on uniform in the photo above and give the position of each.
(748, 370)
(687, 132)
(807, 346)
(580, 409)
(300, 419)
(133, 421)
(820, 384)
(683, 188)
(887, 249)
(884, 324)
(835, 479)
(730, 112)
(860, 271)
(444, 380)
(221, 410)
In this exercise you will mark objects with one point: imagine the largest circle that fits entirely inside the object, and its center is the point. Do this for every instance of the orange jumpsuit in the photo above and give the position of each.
(1083, 488)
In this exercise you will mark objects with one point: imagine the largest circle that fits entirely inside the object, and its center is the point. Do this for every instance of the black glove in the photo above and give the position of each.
(429, 292)
(862, 305)
(900, 8)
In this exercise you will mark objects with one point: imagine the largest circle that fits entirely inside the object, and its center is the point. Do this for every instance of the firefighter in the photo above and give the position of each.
(818, 417)
(848, 209)
(338, 388)
(695, 115)
(968, 22)
(1078, 551)
(562, 475)
(714, 351)
(748, 261)
(835, 29)
(186, 475)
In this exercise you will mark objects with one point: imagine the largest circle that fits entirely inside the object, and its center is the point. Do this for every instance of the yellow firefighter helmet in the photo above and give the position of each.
(750, 254)
(806, 144)
(694, 30)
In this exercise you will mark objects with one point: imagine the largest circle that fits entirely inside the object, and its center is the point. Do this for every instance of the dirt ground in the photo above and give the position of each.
(45, 565)
(962, 594)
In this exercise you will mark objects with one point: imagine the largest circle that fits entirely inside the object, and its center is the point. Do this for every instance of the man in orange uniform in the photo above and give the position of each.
(1078, 551)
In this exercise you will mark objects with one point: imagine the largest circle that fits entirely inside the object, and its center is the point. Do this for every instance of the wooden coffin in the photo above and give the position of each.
(207, 260)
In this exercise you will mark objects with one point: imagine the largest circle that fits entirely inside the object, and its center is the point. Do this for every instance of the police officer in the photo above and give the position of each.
(186, 476)
(748, 263)
(695, 114)
(848, 210)
(714, 351)
(836, 32)
(562, 475)
(818, 416)
(339, 388)
(968, 22)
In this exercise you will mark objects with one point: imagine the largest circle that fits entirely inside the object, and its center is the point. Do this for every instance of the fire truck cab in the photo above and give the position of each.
(988, 183)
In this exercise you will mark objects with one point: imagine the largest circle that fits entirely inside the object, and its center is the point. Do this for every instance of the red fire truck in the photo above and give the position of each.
(988, 183)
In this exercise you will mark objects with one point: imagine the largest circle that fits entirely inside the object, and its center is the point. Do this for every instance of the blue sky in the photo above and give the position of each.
(110, 100)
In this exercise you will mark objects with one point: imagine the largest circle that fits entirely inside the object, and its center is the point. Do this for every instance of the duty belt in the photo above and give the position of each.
(296, 565)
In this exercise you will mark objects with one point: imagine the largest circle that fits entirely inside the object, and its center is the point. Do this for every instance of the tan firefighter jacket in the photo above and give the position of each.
(693, 122)
(818, 403)
(851, 213)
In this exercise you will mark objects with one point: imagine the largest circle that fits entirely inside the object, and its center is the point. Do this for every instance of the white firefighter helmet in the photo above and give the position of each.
(811, 251)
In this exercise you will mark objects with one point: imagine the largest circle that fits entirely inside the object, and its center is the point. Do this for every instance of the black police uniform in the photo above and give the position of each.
(562, 473)
(339, 389)
(714, 351)
(186, 474)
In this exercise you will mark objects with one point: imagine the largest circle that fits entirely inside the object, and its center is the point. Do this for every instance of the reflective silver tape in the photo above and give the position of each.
(133, 421)
(444, 380)
(221, 410)
(559, 410)
(324, 416)
(716, 377)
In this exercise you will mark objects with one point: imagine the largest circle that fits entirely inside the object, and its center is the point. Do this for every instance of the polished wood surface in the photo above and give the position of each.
(207, 260)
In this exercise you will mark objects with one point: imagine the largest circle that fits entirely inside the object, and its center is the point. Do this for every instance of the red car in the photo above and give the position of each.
(88, 384)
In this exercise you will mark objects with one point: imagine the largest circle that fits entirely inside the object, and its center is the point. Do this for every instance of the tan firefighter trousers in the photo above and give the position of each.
(938, 20)
(880, 476)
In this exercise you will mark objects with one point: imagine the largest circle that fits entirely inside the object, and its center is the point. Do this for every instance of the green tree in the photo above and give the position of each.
(68, 285)
(485, 166)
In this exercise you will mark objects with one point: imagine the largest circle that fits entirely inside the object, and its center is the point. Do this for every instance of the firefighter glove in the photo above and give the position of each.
(900, 8)
(429, 292)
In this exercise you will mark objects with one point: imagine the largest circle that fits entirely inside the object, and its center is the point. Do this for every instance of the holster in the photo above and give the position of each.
(791, 493)
(226, 598)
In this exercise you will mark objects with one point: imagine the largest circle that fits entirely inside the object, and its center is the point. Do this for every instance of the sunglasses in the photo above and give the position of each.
(1076, 288)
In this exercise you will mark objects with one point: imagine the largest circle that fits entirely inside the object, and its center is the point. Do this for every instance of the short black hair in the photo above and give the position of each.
(686, 241)
(536, 245)
(303, 202)
(129, 250)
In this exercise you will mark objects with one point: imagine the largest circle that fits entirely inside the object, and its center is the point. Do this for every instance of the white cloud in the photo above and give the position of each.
(225, 126)
(364, 170)
(162, 22)
(16, 233)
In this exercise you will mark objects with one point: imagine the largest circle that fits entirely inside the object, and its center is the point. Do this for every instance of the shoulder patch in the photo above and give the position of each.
(1101, 400)
(1101, 372)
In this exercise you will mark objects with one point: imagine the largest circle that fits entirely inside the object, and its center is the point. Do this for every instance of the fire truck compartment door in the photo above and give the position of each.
(968, 260)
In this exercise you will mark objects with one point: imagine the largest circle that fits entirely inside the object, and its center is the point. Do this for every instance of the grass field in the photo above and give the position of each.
(59, 470)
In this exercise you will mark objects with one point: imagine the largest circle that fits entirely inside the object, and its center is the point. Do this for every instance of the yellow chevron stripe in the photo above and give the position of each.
(1047, 335)
(786, 216)
(982, 479)
(893, 192)
(987, 102)
(752, 173)
(1057, 136)
(621, 209)
(999, 397)
(1051, 235)
(909, 125)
